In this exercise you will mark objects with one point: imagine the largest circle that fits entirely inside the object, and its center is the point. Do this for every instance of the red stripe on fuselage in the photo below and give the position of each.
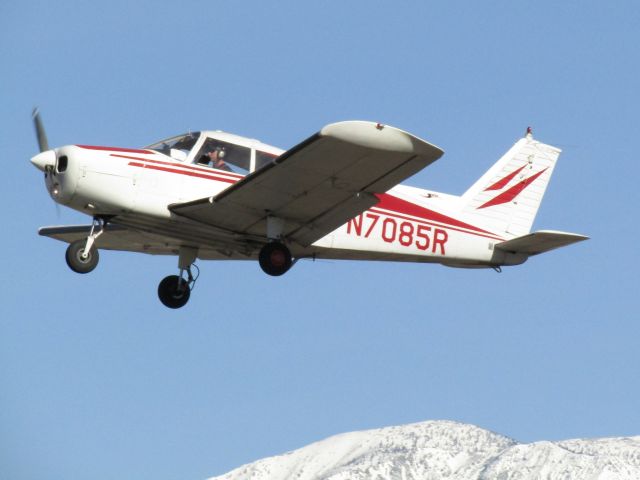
(395, 204)
(181, 172)
(207, 170)
(431, 223)
(116, 149)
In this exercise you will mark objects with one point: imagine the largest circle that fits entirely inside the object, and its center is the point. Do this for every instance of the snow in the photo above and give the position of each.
(447, 450)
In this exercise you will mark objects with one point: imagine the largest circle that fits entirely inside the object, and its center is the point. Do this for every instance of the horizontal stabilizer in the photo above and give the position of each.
(540, 242)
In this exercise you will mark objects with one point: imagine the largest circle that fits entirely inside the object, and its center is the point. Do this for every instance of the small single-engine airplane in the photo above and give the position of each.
(216, 196)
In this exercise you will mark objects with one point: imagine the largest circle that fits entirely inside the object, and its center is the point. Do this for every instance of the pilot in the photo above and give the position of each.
(215, 158)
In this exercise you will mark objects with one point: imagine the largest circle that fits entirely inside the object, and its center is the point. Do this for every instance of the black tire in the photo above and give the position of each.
(174, 291)
(77, 262)
(275, 259)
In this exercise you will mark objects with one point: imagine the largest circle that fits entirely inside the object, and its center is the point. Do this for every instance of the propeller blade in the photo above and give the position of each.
(40, 133)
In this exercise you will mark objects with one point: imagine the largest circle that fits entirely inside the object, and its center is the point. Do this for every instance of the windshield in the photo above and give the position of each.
(181, 143)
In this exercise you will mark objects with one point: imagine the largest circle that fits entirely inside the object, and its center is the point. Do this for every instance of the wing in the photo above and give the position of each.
(318, 185)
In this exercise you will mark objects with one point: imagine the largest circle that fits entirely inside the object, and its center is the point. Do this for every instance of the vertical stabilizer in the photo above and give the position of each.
(507, 197)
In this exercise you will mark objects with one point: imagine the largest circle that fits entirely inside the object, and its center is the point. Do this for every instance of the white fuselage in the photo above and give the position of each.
(135, 186)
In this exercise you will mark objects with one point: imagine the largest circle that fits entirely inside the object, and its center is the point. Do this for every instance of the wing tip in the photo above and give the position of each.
(378, 136)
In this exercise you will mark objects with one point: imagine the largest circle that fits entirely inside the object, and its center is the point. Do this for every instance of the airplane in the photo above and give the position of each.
(213, 195)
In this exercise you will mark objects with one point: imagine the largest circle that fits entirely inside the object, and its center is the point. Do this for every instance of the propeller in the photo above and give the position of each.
(45, 160)
(43, 143)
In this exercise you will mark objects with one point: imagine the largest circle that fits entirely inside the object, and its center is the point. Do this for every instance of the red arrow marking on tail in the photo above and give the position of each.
(513, 192)
(500, 184)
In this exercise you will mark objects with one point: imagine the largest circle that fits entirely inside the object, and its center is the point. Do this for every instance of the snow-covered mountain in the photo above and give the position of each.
(447, 450)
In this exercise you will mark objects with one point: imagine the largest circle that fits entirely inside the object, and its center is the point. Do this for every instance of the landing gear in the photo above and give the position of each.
(275, 259)
(79, 260)
(174, 291)
(82, 255)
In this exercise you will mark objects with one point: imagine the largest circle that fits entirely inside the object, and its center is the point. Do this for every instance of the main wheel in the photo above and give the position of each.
(174, 291)
(275, 259)
(77, 261)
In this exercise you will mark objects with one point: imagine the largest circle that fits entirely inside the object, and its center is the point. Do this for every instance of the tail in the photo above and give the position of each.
(506, 198)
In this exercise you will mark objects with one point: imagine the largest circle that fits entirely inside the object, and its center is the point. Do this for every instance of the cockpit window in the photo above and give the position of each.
(224, 156)
(176, 147)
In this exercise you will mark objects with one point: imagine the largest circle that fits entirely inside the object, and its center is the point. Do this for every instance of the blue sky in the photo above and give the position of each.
(98, 380)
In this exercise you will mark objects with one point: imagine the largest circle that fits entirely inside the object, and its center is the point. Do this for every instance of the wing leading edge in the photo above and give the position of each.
(318, 185)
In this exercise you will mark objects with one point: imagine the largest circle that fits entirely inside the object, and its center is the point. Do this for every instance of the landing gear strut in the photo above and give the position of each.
(174, 291)
(82, 255)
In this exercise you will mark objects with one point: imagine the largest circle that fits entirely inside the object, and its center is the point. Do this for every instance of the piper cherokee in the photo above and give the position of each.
(212, 195)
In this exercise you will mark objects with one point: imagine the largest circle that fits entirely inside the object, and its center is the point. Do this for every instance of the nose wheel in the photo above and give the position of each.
(81, 260)
(82, 255)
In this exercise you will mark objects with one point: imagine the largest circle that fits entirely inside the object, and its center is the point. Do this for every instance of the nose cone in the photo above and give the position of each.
(44, 159)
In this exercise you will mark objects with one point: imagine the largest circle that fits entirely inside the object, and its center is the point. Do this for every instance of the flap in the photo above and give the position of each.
(540, 242)
(318, 185)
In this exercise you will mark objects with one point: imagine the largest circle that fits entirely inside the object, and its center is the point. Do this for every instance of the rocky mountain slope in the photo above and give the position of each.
(447, 450)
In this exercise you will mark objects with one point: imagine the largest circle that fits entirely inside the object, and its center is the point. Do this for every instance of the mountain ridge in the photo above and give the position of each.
(444, 449)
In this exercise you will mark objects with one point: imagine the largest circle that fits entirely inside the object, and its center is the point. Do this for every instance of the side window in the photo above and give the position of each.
(263, 158)
(224, 156)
